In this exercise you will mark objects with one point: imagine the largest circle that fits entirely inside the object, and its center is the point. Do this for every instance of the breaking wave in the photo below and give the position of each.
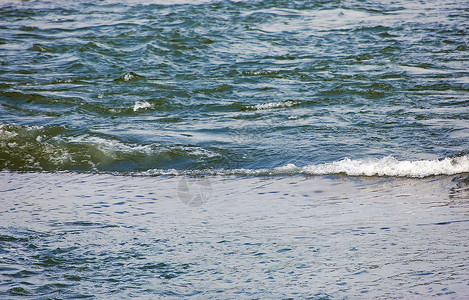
(58, 148)
(273, 105)
(386, 167)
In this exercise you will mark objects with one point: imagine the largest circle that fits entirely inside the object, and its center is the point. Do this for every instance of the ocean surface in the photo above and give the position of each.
(217, 86)
(102, 236)
(206, 116)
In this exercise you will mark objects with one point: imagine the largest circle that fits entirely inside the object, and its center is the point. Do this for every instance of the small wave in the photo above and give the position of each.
(36, 148)
(389, 166)
(385, 167)
(113, 149)
(40, 48)
(129, 76)
(29, 147)
(141, 105)
(57, 148)
(273, 105)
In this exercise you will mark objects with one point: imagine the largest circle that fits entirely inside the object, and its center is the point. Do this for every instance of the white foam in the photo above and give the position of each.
(128, 77)
(141, 105)
(111, 147)
(5, 133)
(389, 166)
(9, 132)
(273, 105)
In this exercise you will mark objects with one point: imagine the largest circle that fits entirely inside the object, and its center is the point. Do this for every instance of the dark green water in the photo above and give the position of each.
(218, 86)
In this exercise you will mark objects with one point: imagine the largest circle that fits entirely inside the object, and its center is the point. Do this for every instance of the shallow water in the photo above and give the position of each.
(78, 235)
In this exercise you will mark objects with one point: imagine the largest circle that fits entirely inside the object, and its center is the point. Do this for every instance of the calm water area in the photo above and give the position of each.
(323, 237)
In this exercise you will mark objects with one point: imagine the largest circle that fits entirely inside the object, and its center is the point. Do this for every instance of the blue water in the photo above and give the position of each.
(101, 236)
(217, 86)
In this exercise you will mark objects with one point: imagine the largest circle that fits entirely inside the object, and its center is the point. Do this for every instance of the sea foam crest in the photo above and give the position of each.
(273, 105)
(387, 166)
(141, 105)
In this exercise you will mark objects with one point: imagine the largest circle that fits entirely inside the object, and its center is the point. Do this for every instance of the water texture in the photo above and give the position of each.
(217, 86)
(101, 236)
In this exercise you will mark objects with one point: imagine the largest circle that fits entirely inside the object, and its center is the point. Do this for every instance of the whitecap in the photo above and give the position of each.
(385, 167)
(141, 105)
(273, 105)
(389, 166)
(111, 147)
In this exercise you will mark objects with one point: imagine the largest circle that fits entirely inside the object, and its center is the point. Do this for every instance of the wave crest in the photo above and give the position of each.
(385, 167)
(389, 166)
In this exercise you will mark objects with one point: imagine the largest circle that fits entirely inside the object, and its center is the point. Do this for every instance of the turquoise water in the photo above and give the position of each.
(217, 86)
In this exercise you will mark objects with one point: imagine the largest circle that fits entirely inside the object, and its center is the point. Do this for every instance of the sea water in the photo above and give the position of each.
(247, 112)
(79, 235)
(211, 85)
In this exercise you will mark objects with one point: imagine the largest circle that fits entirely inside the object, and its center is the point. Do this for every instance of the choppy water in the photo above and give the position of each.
(227, 85)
